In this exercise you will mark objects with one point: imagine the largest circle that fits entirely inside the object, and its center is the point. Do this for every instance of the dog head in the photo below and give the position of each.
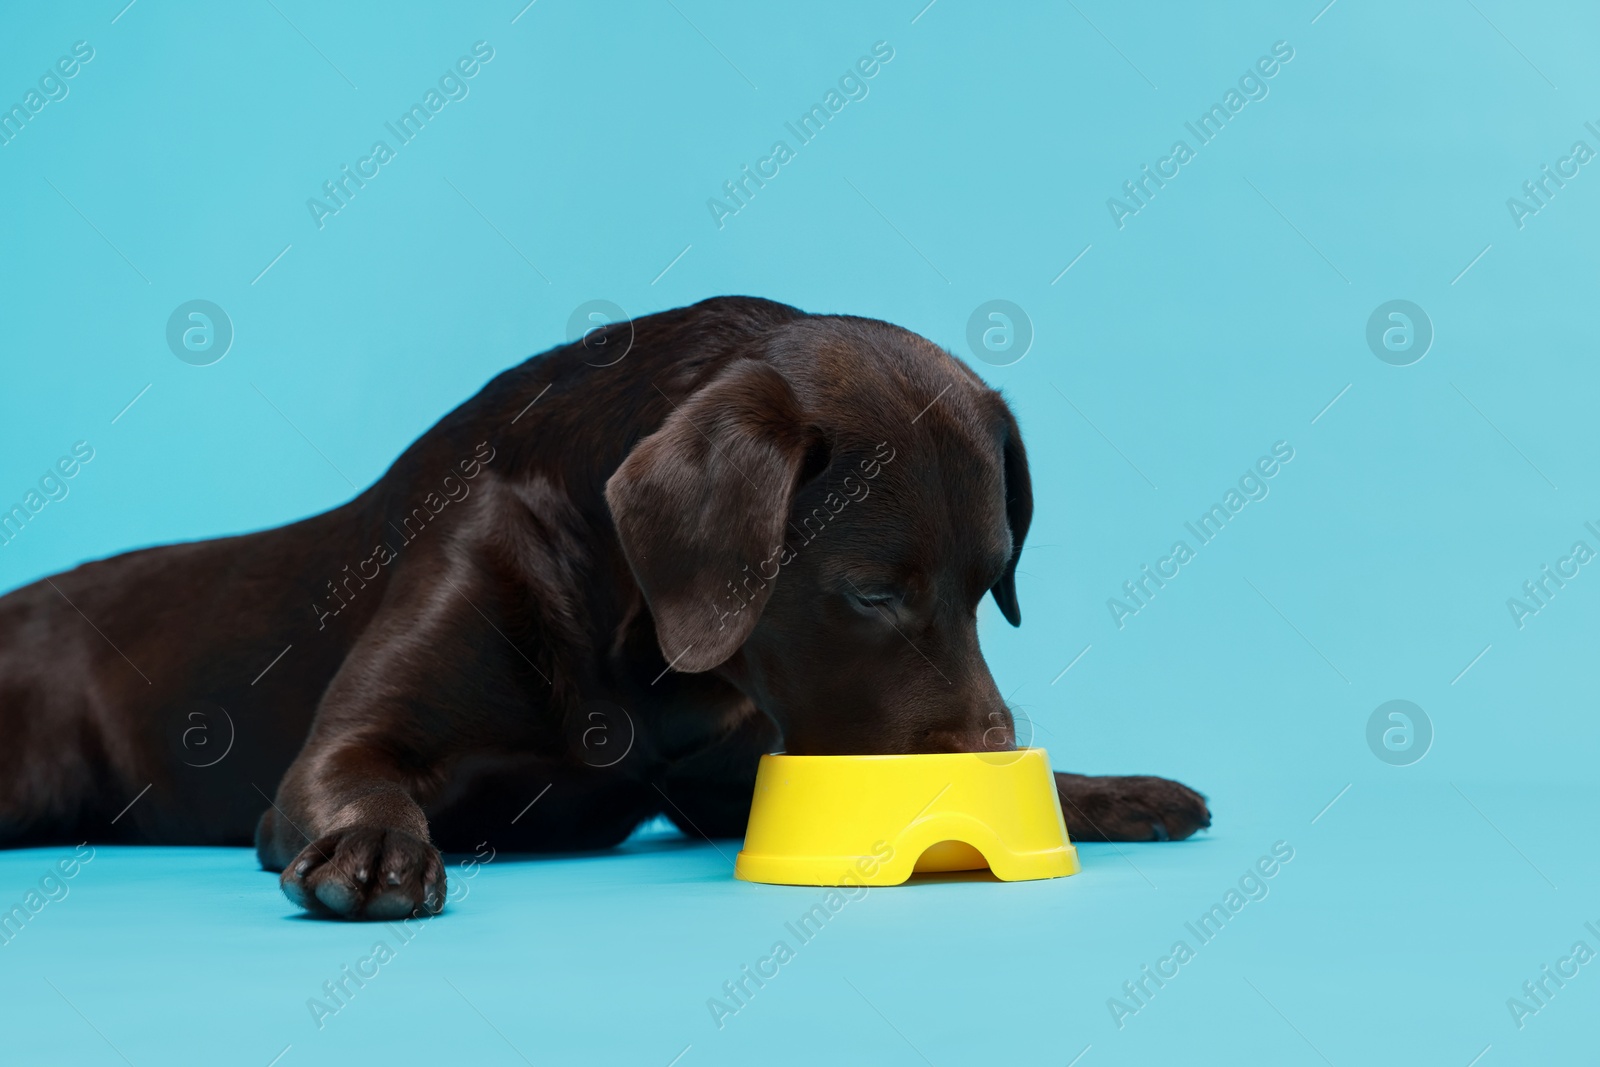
(819, 525)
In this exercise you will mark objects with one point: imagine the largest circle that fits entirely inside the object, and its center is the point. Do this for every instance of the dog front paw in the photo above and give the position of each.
(1131, 808)
(366, 872)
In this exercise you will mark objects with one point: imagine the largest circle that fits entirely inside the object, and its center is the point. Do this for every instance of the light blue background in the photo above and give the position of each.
(1223, 317)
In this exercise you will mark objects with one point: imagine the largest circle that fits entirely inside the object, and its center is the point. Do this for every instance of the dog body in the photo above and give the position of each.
(595, 592)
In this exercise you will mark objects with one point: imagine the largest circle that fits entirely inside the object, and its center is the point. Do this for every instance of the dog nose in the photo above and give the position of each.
(979, 737)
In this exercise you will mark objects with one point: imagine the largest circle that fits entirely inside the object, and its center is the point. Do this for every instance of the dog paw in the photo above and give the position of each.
(1133, 808)
(366, 872)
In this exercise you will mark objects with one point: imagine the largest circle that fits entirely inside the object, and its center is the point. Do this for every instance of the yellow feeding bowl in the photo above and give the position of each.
(876, 820)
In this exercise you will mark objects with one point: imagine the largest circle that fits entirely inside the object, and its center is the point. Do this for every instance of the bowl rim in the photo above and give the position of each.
(986, 756)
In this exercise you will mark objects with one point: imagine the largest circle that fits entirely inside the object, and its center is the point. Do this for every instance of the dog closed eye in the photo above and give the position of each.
(872, 602)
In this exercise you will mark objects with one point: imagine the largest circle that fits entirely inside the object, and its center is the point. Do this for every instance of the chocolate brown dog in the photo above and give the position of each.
(596, 592)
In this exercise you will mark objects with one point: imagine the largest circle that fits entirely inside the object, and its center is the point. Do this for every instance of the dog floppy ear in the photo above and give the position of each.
(1019, 515)
(704, 498)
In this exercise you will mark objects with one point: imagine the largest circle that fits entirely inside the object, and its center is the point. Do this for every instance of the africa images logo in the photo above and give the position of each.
(53, 88)
(452, 86)
(810, 528)
(452, 489)
(1253, 486)
(852, 84)
(1252, 86)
